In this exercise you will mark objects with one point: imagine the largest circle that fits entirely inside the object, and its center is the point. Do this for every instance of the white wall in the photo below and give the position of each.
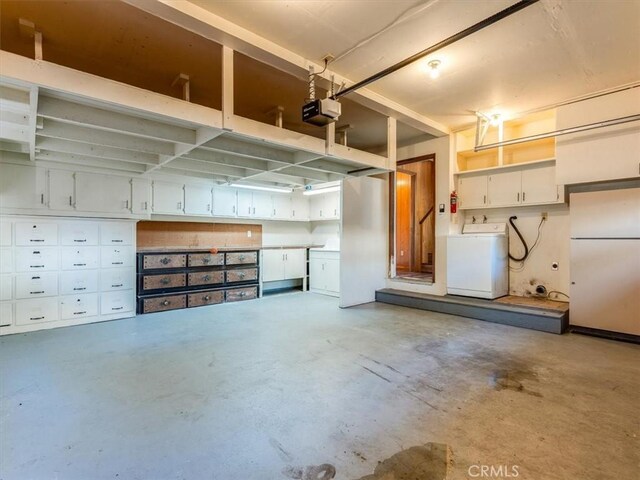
(445, 222)
(276, 233)
(325, 232)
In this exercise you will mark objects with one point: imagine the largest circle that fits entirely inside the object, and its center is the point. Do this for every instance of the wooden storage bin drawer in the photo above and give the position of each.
(205, 278)
(245, 293)
(205, 298)
(205, 259)
(165, 302)
(170, 280)
(242, 258)
(173, 260)
(242, 275)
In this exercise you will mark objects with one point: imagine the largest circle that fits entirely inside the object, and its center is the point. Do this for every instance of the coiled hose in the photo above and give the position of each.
(524, 244)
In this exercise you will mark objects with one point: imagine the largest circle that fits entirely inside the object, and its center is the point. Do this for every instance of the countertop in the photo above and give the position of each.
(220, 249)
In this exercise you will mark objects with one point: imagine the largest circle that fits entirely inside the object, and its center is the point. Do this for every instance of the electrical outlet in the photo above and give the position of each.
(544, 215)
(248, 233)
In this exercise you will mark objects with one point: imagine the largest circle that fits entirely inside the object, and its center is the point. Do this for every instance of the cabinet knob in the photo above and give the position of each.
(165, 261)
(206, 298)
(206, 278)
(165, 281)
(166, 302)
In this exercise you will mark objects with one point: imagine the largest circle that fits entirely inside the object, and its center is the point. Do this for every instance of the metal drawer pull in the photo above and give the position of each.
(116, 286)
(38, 240)
(117, 263)
(206, 259)
(36, 293)
(117, 308)
(165, 261)
(242, 275)
(79, 288)
(242, 294)
(206, 278)
(36, 252)
(165, 281)
(35, 278)
(80, 241)
(79, 264)
(166, 302)
(241, 258)
(79, 313)
(206, 298)
(117, 241)
(36, 318)
(36, 266)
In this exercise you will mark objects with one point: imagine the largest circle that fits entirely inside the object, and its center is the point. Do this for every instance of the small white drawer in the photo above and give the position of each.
(36, 234)
(36, 259)
(84, 281)
(6, 260)
(116, 233)
(6, 314)
(78, 306)
(30, 285)
(117, 257)
(5, 234)
(36, 310)
(6, 287)
(117, 279)
(76, 258)
(79, 233)
(117, 302)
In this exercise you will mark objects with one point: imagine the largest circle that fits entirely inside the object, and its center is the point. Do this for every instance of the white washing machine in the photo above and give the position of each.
(478, 261)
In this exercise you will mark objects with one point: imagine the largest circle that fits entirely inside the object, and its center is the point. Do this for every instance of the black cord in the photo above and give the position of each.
(524, 244)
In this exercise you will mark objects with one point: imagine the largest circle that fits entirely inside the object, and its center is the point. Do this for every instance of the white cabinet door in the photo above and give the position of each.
(332, 275)
(245, 203)
(295, 264)
(282, 206)
(300, 207)
(272, 265)
(102, 193)
(331, 209)
(22, 186)
(79, 233)
(539, 185)
(317, 277)
(140, 196)
(316, 204)
(61, 190)
(472, 191)
(261, 205)
(224, 201)
(83, 281)
(197, 199)
(504, 188)
(168, 198)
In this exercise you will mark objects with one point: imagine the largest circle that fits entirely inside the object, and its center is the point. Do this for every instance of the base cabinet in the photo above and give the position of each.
(324, 272)
(56, 272)
(283, 264)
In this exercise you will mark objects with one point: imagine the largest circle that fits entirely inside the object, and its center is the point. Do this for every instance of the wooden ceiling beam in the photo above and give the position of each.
(87, 150)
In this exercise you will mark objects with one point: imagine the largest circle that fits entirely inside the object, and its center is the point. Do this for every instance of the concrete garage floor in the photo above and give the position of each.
(267, 389)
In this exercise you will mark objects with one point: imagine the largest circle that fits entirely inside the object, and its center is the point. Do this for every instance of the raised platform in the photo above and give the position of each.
(552, 320)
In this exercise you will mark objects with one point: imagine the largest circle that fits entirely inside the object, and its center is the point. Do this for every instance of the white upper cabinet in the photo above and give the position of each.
(325, 206)
(103, 193)
(61, 190)
(168, 198)
(245, 203)
(299, 207)
(472, 191)
(22, 186)
(539, 185)
(504, 188)
(281, 206)
(197, 199)
(254, 204)
(140, 196)
(224, 202)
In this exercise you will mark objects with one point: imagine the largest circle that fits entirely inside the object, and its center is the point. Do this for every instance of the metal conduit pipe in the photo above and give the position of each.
(516, 7)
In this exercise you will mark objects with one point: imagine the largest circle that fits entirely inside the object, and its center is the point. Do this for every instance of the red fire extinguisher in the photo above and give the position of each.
(454, 202)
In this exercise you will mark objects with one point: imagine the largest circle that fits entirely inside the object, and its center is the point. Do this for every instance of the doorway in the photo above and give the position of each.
(413, 231)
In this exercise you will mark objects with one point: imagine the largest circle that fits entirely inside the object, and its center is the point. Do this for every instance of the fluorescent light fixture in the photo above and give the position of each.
(321, 190)
(265, 189)
(434, 68)
(495, 119)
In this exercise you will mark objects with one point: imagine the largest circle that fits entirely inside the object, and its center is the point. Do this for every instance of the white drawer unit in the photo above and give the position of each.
(30, 285)
(117, 279)
(6, 230)
(6, 260)
(117, 257)
(77, 258)
(117, 302)
(116, 233)
(84, 281)
(6, 287)
(79, 233)
(6, 314)
(36, 233)
(78, 306)
(36, 259)
(37, 310)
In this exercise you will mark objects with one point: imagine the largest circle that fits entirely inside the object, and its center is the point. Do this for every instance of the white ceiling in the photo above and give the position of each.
(550, 52)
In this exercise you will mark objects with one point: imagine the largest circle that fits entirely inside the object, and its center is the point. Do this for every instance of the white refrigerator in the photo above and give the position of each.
(605, 260)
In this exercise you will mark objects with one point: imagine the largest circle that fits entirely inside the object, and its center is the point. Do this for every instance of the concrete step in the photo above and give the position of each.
(518, 316)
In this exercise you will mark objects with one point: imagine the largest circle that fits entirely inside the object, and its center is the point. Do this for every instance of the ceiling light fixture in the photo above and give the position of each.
(434, 68)
(265, 189)
(495, 119)
(321, 190)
